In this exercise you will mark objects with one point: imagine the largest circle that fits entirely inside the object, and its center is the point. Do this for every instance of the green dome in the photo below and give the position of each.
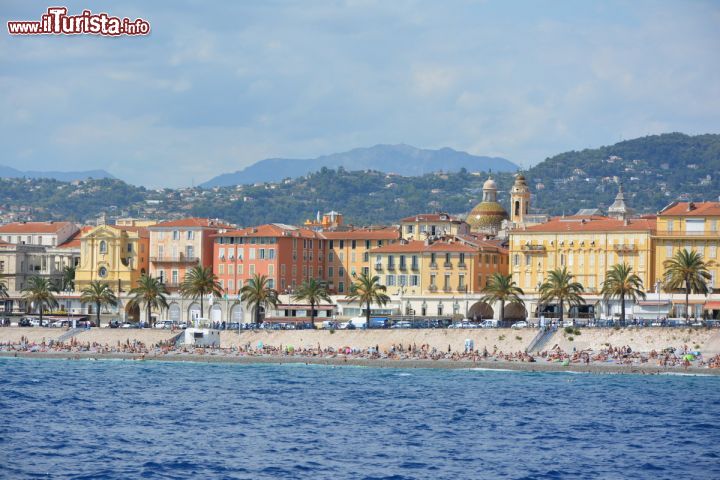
(487, 216)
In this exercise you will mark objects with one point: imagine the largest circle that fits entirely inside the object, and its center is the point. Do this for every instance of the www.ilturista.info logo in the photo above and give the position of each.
(57, 22)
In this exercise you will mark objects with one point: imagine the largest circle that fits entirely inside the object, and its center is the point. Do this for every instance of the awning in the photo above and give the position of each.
(283, 306)
(654, 303)
(712, 306)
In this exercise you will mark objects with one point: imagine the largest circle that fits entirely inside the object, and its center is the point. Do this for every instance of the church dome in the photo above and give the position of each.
(489, 184)
(486, 216)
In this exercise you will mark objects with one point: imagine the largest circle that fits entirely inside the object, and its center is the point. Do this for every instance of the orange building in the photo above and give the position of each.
(348, 253)
(287, 255)
(178, 245)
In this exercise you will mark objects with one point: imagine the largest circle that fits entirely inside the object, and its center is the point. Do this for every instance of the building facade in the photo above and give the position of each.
(117, 255)
(49, 234)
(285, 254)
(178, 245)
(424, 225)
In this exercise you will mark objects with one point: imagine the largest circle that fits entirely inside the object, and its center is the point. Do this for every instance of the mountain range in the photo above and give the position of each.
(401, 159)
(9, 172)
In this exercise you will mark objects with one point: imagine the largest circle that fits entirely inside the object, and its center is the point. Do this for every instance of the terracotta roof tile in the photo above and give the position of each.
(390, 233)
(420, 246)
(591, 223)
(272, 230)
(431, 217)
(700, 209)
(192, 222)
(33, 227)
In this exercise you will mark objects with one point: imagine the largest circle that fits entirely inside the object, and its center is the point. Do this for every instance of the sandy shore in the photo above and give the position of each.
(596, 368)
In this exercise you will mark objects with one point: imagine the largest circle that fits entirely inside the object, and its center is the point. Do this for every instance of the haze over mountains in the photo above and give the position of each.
(402, 159)
(9, 172)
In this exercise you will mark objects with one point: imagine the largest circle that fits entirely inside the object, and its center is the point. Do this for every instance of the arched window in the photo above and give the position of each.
(517, 208)
(103, 246)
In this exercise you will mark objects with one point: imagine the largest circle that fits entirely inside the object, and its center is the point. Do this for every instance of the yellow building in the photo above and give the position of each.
(114, 254)
(348, 254)
(445, 267)
(424, 225)
(692, 226)
(587, 245)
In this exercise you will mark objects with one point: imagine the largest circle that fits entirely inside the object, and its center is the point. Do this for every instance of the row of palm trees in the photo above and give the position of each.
(685, 271)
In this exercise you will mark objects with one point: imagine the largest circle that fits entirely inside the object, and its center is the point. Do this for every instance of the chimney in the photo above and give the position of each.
(691, 206)
(626, 222)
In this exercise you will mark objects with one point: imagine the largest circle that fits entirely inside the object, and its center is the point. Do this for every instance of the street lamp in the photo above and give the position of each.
(657, 290)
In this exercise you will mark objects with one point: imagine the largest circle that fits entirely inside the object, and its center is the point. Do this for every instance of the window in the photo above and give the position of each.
(176, 235)
(330, 256)
(240, 269)
(189, 251)
(390, 280)
(221, 269)
(516, 260)
(175, 277)
(712, 251)
(271, 282)
(342, 244)
(331, 272)
(462, 259)
(670, 225)
(261, 252)
(252, 254)
(332, 244)
(221, 253)
(446, 283)
(252, 269)
(102, 273)
(402, 261)
(271, 253)
(230, 285)
(461, 281)
(353, 244)
(409, 229)
(391, 261)
(103, 246)
(414, 262)
(366, 256)
(433, 259)
(341, 272)
(527, 260)
(402, 280)
(283, 270)
(271, 270)
(432, 280)
(341, 287)
(190, 235)
(413, 280)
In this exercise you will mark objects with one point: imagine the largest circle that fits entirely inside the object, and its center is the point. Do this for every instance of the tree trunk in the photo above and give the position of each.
(98, 314)
(201, 305)
(257, 314)
(687, 300)
(312, 315)
(622, 309)
(367, 315)
(562, 302)
(41, 312)
(149, 319)
(502, 311)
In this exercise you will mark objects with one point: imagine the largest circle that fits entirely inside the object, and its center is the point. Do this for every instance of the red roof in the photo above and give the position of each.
(272, 230)
(431, 217)
(34, 227)
(698, 209)
(419, 246)
(74, 240)
(390, 233)
(591, 223)
(192, 222)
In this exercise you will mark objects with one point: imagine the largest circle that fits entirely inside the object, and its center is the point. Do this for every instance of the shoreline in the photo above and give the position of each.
(535, 367)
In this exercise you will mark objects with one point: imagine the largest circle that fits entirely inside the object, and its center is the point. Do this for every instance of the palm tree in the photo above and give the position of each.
(151, 293)
(39, 292)
(620, 282)
(258, 293)
(3, 290)
(501, 288)
(368, 290)
(560, 286)
(99, 294)
(313, 292)
(687, 269)
(198, 282)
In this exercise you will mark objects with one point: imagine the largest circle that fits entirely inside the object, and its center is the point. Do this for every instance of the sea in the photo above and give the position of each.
(115, 419)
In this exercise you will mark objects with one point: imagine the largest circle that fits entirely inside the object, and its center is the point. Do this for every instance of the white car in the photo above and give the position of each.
(519, 325)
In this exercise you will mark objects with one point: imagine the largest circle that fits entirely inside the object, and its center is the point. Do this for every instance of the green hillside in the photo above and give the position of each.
(654, 171)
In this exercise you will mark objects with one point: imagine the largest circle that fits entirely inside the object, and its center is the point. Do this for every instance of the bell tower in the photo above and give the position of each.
(519, 200)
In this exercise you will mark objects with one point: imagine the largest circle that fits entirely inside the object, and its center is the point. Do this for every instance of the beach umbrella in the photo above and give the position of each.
(689, 357)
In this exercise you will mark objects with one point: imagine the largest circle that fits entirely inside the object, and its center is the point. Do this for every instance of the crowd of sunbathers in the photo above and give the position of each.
(669, 357)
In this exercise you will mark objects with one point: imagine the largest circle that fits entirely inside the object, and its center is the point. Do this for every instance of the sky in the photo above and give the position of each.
(217, 86)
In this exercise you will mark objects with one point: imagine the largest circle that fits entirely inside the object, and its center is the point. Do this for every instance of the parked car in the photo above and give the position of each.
(113, 324)
(489, 324)
(25, 322)
(129, 325)
(519, 325)
(402, 324)
(164, 324)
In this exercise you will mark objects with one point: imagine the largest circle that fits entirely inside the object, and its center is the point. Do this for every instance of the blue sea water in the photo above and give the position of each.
(123, 420)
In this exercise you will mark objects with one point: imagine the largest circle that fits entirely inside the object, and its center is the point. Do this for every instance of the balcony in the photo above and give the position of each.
(462, 266)
(391, 267)
(447, 289)
(447, 265)
(433, 265)
(378, 266)
(624, 247)
(178, 259)
(414, 267)
(462, 288)
(678, 234)
(432, 288)
(534, 248)
(172, 285)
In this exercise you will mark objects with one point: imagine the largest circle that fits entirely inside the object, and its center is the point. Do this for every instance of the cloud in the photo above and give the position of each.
(215, 88)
